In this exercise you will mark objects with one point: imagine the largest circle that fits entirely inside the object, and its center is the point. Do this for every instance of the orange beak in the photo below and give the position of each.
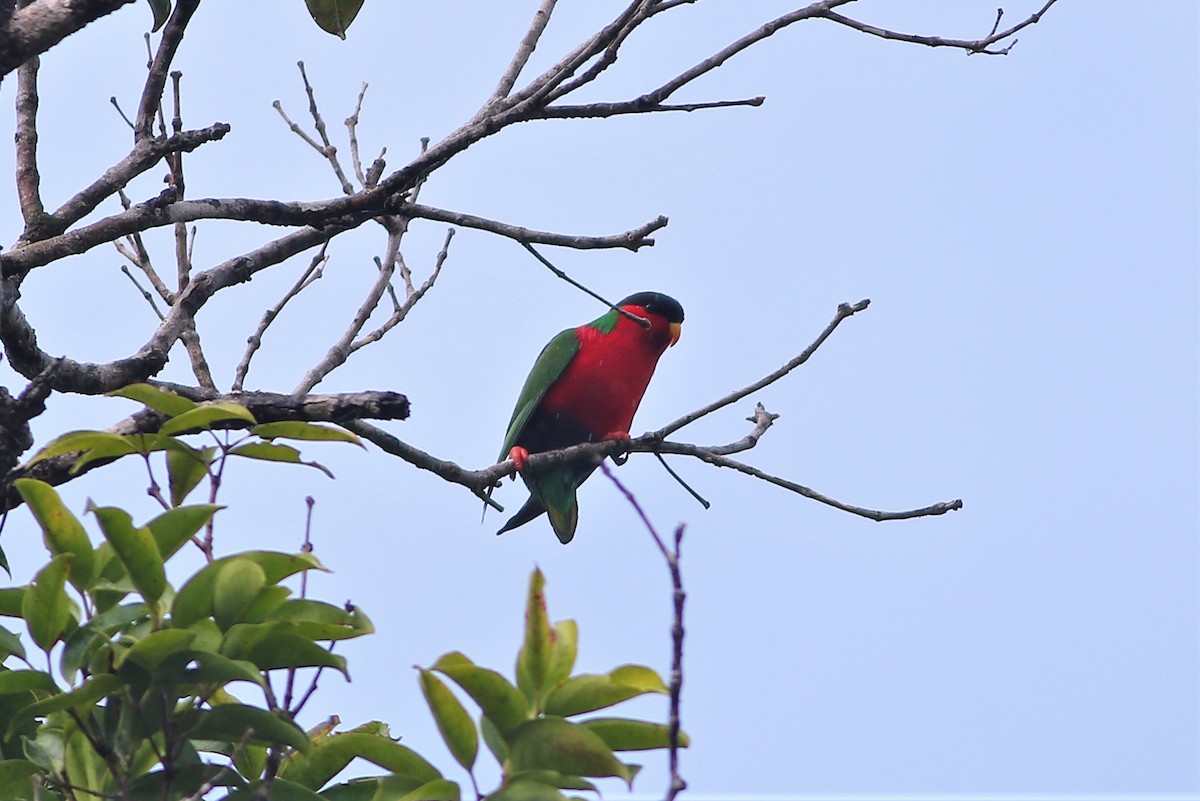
(675, 329)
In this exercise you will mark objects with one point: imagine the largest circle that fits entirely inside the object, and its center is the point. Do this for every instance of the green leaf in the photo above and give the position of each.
(173, 528)
(281, 790)
(10, 643)
(588, 692)
(11, 600)
(231, 721)
(128, 444)
(333, 753)
(270, 452)
(14, 770)
(94, 635)
(622, 734)
(137, 549)
(553, 778)
(47, 749)
(551, 743)
(321, 621)
(237, 583)
(182, 782)
(526, 790)
(186, 468)
(334, 16)
(493, 740)
(268, 600)
(500, 701)
(195, 598)
(151, 650)
(206, 668)
(534, 658)
(83, 765)
(202, 417)
(638, 677)
(91, 691)
(455, 725)
(61, 530)
(83, 441)
(436, 790)
(162, 11)
(159, 400)
(16, 681)
(271, 647)
(45, 606)
(566, 646)
(300, 430)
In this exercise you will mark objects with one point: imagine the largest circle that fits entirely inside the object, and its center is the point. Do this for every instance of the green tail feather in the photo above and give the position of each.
(553, 493)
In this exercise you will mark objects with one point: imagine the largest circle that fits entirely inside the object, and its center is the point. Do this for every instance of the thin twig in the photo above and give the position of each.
(844, 310)
(254, 341)
(642, 321)
(145, 292)
(972, 46)
(401, 310)
(352, 131)
(343, 347)
(306, 547)
(329, 151)
(671, 555)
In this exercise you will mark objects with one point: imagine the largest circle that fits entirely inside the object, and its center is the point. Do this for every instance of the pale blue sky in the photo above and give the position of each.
(1026, 228)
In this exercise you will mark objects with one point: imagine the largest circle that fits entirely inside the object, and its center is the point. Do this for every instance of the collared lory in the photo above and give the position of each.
(585, 387)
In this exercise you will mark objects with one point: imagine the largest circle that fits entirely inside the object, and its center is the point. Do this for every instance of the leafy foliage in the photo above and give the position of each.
(151, 690)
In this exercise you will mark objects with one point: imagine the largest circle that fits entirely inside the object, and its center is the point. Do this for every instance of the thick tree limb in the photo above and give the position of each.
(267, 407)
(344, 213)
(39, 26)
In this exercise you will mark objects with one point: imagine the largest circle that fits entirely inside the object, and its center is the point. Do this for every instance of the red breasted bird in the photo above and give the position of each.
(585, 387)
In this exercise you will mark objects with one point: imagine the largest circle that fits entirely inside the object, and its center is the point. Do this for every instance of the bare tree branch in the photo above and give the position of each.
(970, 45)
(844, 310)
(254, 341)
(638, 105)
(341, 350)
(145, 154)
(29, 194)
(401, 310)
(541, 18)
(632, 239)
(168, 44)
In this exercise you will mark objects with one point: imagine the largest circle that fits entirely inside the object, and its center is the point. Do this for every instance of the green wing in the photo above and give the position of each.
(550, 364)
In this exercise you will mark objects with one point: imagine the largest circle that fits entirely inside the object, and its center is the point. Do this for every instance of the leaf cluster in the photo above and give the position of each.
(529, 724)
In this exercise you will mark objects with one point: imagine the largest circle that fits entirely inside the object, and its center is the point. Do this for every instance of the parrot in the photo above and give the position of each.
(585, 387)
